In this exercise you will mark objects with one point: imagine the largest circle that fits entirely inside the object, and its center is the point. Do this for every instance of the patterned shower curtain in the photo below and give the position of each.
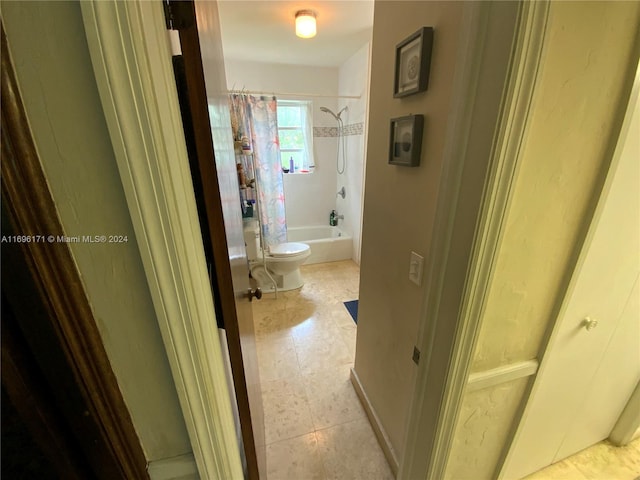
(255, 119)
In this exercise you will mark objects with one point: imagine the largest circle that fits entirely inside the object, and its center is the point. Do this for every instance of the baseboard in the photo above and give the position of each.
(182, 467)
(381, 434)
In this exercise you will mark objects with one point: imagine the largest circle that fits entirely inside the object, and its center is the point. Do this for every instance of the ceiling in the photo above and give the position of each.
(263, 31)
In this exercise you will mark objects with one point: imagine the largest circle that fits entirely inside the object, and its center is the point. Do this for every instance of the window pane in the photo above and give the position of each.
(295, 136)
(291, 139)
(289, 116)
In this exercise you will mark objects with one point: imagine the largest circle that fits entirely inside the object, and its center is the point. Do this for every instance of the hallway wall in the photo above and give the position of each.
(399, 207)
(573, 120)
(49, 49)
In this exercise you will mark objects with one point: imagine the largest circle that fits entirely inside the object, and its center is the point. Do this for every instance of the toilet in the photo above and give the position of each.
(282, 262)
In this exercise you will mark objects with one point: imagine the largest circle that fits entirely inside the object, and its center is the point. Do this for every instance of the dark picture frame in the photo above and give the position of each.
(413, 63)
(405, 140)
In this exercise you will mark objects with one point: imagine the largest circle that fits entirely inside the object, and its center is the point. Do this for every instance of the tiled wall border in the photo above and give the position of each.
(351, 129)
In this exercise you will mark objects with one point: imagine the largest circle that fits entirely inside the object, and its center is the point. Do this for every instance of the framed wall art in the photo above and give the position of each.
(413, 61)
(405, 144)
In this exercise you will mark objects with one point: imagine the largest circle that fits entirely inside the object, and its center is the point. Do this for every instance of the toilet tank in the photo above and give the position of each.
(252, 239)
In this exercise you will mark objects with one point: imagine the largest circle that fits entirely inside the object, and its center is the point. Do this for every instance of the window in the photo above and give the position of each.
(295, 133)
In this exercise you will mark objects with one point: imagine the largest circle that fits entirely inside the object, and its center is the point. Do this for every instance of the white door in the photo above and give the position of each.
(590, 369)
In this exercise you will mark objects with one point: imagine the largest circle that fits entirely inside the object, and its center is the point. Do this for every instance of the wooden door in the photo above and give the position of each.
(217, 191)
(590, 370)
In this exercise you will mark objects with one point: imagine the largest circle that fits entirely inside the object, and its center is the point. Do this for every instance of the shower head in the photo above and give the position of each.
(326, 110)
(336, 116)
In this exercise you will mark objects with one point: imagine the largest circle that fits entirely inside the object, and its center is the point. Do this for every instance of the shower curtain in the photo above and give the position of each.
(254, 120)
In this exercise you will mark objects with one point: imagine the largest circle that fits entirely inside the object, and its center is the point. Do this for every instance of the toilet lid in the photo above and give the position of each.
(288, 249)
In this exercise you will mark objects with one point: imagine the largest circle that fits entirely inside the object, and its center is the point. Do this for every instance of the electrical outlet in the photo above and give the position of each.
(415, 268)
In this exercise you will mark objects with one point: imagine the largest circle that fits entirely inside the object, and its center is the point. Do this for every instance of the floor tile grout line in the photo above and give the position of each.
(340, 424)
(356, 402)
(316, 430)
(318, 451)
(288, 439)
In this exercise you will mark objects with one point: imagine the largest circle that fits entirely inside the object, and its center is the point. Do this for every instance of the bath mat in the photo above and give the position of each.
(352, 307)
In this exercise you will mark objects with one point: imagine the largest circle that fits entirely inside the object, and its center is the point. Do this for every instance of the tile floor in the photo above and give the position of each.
(602, 461)
(315, 426)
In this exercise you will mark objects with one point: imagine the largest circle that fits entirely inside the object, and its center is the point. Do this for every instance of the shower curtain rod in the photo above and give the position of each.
(316, 95)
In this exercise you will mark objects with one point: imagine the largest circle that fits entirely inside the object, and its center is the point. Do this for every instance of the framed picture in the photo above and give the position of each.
(405, 145)
(413, 60)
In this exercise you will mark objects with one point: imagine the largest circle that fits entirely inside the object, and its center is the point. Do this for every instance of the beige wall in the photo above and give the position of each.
(576, 102)
(575, 112)
(49, 50)
(399, 207)
(481, 427)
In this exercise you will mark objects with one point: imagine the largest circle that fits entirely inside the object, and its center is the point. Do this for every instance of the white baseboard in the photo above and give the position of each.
(381, 434)
(182, 467)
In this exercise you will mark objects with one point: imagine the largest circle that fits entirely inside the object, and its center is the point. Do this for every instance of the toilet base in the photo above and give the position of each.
(290, 281)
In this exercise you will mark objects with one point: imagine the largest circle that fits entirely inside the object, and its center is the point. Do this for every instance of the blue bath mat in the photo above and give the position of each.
(352, 307)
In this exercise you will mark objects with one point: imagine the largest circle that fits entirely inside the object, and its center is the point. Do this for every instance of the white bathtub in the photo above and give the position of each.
(328, 244)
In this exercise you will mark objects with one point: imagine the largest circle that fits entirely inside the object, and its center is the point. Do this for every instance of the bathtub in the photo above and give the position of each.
(328, 244)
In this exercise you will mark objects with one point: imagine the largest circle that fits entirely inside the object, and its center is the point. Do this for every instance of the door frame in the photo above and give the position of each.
(213, 165)
(131, 57)
(143, 117)
(427, 450)
(457, 293)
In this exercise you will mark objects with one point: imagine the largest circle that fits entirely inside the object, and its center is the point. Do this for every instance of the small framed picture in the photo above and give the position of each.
(405, 144)
(413, 61)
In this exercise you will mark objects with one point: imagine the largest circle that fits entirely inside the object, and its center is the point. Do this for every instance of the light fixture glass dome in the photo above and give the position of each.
(306, 24)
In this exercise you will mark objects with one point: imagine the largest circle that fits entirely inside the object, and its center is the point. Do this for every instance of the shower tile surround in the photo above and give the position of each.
(315, 426)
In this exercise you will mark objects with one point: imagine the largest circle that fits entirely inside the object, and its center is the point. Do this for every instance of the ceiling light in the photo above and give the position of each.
(306, 23)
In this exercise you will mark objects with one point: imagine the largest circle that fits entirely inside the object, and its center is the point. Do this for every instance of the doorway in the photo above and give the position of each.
(303, 333)
(331, 72)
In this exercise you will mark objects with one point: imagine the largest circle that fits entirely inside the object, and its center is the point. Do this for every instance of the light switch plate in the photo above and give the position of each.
(415, 268)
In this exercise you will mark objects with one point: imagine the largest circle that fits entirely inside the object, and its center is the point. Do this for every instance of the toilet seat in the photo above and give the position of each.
(290, 249)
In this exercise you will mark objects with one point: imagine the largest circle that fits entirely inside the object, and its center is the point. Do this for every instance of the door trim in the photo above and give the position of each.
(53, 272)
(437, 400)
(204, 90)
(131, 57)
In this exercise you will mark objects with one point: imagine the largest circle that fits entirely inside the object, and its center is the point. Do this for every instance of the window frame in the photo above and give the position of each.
(306, 130)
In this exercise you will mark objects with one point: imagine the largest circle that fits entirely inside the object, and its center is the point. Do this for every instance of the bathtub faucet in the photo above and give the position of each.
(334, 217)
